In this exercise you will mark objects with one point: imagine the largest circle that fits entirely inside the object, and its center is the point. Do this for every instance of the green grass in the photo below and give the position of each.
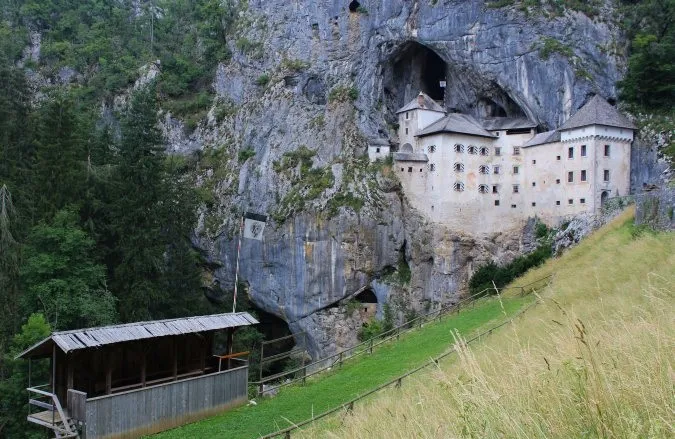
(297, 403)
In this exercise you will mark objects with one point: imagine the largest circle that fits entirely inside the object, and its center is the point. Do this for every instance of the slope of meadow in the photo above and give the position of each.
(594, 357)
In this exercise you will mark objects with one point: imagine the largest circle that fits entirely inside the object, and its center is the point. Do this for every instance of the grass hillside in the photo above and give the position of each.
(297, 403)
(593, 359)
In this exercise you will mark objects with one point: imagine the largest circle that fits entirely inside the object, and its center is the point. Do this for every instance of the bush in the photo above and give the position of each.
(484, 277)
(245, 154)
(370, 330)
(263, 80)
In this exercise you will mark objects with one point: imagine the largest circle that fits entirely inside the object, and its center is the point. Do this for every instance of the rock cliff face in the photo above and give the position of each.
(310, 85)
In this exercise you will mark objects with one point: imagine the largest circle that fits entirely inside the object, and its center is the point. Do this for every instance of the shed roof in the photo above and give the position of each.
(422, 102)
(597, 111)
(76, 339)
(456, 123)
(506, 123)
(542, 138)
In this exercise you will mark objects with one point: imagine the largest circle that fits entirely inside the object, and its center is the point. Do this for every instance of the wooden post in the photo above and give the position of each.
(230, 339)
(108, 373)
(203, 352)
(341, 359)
(371, 346)
(174, 352)
(70, 372)
(144, 366)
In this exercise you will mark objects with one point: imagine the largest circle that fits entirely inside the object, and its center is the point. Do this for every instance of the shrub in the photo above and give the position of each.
(245, 154)
(343, 94)
(263, 80)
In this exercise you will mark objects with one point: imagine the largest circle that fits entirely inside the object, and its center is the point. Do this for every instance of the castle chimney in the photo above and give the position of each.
(420, 100)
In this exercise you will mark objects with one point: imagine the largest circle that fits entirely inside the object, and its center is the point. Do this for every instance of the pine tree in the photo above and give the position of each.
(9, 267)
(137, 254)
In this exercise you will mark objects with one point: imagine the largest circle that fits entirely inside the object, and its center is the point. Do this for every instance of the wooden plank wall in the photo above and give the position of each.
(145, 411)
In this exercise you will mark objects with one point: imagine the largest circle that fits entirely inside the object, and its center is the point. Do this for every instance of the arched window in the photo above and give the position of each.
(484, 150)
(459, 167)
(484, 169)
(432, 167)
(459, 147)
(483, 189)
(431, 148)
(473, 149)
(458, 186)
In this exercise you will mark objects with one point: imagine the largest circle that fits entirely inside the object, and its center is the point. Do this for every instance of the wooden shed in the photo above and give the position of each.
(123, 381)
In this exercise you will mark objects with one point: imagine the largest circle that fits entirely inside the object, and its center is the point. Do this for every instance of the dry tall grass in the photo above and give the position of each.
(594, 358)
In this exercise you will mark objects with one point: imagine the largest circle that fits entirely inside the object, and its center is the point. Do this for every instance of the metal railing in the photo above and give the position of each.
(367, 346)
(397, 382)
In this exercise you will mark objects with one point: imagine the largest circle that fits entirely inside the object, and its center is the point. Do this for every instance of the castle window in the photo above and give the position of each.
(402, 169)
(409, 168)
(377, 149)
(583, 150)
(496, 169)
(406, 130)
(534, 183)
(570, 201)
(557, 203)
(496, 202)
(516, 188)
(607, 150)
(515, 169)
(583, 175)
(495, 189)
(483, 189)
(459, 147)
(432, 167)
(516, 150)
(458, 186)
(557, 157)
(473, 149)
(582, 200)
(534, 204)
(420, 169)
(570, 152)
(484, 169)
(407, 115)
(497, 133)
(534, 162)
(498, 151)
(557, 181)
(570, 177)
(459, 167)
(432, 148)
(484, 150)
(605, 175)
(513, 206)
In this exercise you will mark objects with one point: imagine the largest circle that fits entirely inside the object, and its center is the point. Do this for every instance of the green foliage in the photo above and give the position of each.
(403, 270)
(14, 401)
(541, 230)
(344, 200)
(61, 277)
(263, 80)
(245, 154)
(294, 65)
(351, 305)
(343, 94)
(370, 330)
(484, 277)
(549, 46)
(246, 46)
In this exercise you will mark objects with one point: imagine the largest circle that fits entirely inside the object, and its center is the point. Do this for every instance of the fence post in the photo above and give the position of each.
(288, 435)
(340, 359)
(398, 332)
(398, 383)
(304, 375)
(350, 407)
(371, 345)
(260, 389)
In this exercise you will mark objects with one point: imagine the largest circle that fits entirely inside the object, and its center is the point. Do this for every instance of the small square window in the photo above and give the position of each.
(516, 189)
(516, 150)
(570, 177)
(515, 169)
(534, 162)
(557, 181)
(513, 206)
(583, 150)
(406, 130)
(402, 170)
(420, 169)
(557, 157)
(570, 152)
(570, 201)
(583, 175)
(607, 148)
(534, 183)
(496, 202)
(605, 175)
(496, 169)
(377, 149)
(498, 151)
(557, 203)
(495, 189)
(534, 204)
(409, 168)
(582, 200)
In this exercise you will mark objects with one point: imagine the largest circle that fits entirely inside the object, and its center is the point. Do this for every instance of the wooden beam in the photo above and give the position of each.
(144, 366)
(174, 353)
(108, 373)
(70, 372)
(230, 340)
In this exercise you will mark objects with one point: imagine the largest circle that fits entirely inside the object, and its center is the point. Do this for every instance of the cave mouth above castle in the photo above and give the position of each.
(412, 68)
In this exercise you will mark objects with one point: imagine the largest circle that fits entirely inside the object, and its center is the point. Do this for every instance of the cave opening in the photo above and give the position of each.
(366, 296)
(354, 6)
(411, 69)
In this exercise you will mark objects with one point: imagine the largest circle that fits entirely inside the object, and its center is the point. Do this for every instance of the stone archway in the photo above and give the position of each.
(604, 196)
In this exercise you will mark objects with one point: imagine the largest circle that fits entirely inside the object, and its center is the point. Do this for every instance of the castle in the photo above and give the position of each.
(492, 174)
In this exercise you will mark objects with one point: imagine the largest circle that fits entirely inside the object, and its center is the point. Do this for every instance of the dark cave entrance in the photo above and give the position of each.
(366, 296)
(411, 69)
(367, 303)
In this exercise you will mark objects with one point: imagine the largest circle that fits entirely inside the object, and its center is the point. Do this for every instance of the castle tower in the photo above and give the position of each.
(415, 116)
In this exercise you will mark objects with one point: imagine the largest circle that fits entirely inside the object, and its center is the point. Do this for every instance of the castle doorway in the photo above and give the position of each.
(604, 196)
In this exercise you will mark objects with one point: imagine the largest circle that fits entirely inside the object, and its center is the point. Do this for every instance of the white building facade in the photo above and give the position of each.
(492, 175)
